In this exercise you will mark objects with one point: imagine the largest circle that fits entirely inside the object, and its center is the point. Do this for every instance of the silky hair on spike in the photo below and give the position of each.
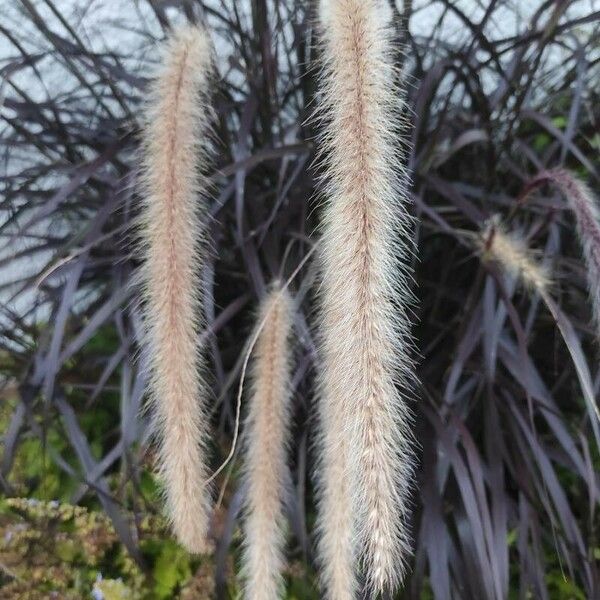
(367, 375)
(173, 234)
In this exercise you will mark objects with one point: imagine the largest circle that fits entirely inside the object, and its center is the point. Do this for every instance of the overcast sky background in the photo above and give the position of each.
(122, 26)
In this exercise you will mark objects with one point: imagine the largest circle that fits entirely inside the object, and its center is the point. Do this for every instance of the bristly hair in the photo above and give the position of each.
(512, 254)
(587, 217)
(368, 373)
(173, 239)
(267, 434)
(336, 520)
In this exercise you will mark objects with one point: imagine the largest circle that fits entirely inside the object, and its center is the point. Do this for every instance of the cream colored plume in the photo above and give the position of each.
(267, 433)
(336, 519)
(587, 217)
(367, 373)
(173, 231)
(512, 255)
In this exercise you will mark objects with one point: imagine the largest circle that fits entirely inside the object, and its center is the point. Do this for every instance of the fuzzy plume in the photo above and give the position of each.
(337, 551)
(267, 434)
(173, 233)
(367, 374)
(587, 216)
(513, 256)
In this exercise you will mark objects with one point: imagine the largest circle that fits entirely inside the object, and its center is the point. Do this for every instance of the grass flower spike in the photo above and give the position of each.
(173, 237)
(267, 433)
(511, 253)
(337, 551)
(587, 217)
(367, 371)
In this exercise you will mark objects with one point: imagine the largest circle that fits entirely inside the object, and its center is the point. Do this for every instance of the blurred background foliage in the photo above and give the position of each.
(507, 493)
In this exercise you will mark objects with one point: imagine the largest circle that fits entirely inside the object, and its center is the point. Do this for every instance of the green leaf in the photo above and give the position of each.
(560, 586)
(171, 569)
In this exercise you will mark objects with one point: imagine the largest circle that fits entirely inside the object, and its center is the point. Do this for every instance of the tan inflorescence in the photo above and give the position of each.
(367, 373)
(267, 435)
(511, 253)
(173, 233)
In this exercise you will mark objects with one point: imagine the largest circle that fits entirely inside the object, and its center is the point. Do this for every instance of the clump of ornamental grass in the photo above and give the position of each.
(513, 256)
(366, 371)
(587, 217)
(173, 233)
(267, 435)
(67, 326)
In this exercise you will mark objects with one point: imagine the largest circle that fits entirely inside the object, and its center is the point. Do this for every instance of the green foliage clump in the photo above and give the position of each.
(52, 548)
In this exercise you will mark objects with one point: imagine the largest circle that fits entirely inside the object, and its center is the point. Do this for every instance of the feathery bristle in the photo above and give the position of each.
(367, 371)
(267, 434)
(513, 255)
(173, 232)
(336, 529)
(587, 216)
